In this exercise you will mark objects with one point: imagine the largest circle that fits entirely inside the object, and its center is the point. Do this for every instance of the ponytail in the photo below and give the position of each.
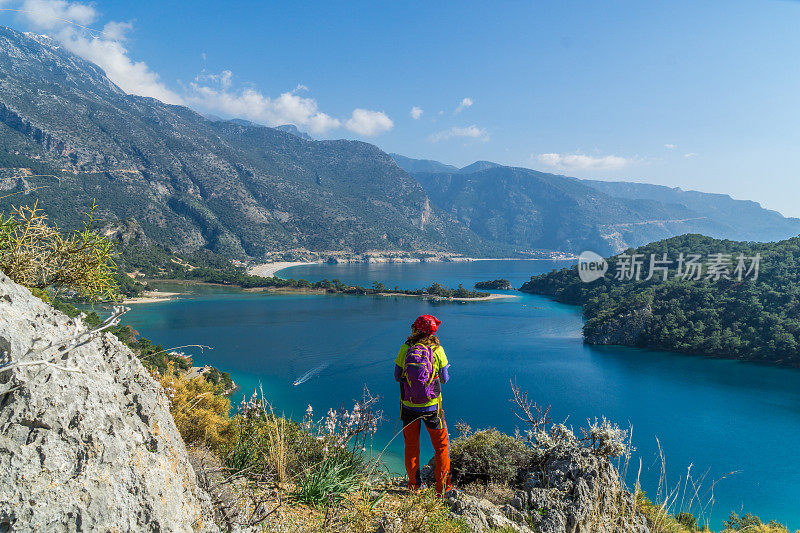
(421, 337)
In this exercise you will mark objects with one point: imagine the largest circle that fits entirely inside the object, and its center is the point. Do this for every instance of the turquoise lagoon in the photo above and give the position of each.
(719, 416)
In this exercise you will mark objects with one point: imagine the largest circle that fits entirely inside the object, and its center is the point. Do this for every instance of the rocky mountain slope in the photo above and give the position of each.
(87, 442)
(421, 165)
(527, 208)
(742, 220)
(188, 182)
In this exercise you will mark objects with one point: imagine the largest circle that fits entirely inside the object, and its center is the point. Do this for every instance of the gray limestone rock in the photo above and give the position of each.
(570, 491)
(87, 443)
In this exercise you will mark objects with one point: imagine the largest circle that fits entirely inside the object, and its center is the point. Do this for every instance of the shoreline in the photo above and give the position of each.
(492, 296)
(286, 290)
(469, 259)
(197, 371)
(150, 297)
(268, 270)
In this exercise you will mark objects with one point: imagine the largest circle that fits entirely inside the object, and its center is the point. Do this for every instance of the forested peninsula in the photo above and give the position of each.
(755, 318)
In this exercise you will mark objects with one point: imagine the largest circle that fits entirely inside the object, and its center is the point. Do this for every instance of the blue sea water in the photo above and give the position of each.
(718, 416)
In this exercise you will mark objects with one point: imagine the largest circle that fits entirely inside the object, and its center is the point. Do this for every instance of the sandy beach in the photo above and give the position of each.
(149, 297)
(268, 270)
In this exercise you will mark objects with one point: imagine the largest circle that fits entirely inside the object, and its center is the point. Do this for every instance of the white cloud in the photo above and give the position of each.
(117, 31)
(49, 14)
(68, 23)
(224, 78)
(103, 48)
(670, 146)
(368, 123)
(582, 162)
(690, 155)
(288, 108)
(465, 103)
(473, 132)
(416, 112)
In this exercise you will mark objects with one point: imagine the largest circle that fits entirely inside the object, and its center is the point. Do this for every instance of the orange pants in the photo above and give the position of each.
(441, 444)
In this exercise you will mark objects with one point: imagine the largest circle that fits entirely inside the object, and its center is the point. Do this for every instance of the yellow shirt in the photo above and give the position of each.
(439, 362)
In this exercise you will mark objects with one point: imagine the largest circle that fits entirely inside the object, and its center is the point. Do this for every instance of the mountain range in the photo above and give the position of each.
(166, 175)
(531, 209)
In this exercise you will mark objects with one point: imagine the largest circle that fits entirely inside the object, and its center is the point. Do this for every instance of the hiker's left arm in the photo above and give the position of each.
(444, 366)
(444, 375)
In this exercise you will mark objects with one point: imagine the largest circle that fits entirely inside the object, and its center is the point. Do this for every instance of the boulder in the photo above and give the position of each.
(572, 490)
(87, 442)
(481, 515)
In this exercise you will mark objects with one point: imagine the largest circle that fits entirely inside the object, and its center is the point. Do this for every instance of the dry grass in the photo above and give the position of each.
(276, 445)
(365, 510)
(496, 493)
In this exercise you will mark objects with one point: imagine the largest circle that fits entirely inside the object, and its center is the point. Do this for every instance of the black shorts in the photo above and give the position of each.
(432, 419)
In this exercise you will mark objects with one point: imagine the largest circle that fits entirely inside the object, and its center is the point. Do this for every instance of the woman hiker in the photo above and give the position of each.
(420, 368)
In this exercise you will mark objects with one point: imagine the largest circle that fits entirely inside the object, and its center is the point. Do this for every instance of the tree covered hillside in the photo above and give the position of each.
(752, 319)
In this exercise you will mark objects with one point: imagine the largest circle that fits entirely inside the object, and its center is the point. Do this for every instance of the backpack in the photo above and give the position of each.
(419, 373)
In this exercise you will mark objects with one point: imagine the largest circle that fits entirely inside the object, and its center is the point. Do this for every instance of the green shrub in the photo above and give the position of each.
(329, 480)
(200, 414)
(659, 520)
(688, 520)
(752, 523)
(263, 446)
(424, 511)
(488, 455)
(37, 255)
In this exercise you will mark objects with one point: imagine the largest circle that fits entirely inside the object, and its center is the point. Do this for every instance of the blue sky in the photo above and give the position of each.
(701, 95)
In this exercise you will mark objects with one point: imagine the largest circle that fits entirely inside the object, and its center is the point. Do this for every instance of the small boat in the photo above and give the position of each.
(310, 374)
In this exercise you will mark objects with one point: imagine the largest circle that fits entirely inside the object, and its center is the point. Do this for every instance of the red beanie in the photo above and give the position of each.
(427, 323)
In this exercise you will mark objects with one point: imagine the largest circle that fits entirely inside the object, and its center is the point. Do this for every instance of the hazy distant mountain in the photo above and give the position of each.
(744, 220)
(421, 165)
(477, 166)
(167, 174)
(530, 210)
(288, 128)
(413, 166)
(291, 128)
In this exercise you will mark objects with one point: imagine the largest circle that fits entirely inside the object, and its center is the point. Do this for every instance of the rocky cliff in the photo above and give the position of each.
(87, 442)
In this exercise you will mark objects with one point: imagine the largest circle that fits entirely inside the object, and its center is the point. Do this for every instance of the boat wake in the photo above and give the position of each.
(310, 374)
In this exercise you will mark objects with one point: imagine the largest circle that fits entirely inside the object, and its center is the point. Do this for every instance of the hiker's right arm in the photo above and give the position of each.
(398, 363)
